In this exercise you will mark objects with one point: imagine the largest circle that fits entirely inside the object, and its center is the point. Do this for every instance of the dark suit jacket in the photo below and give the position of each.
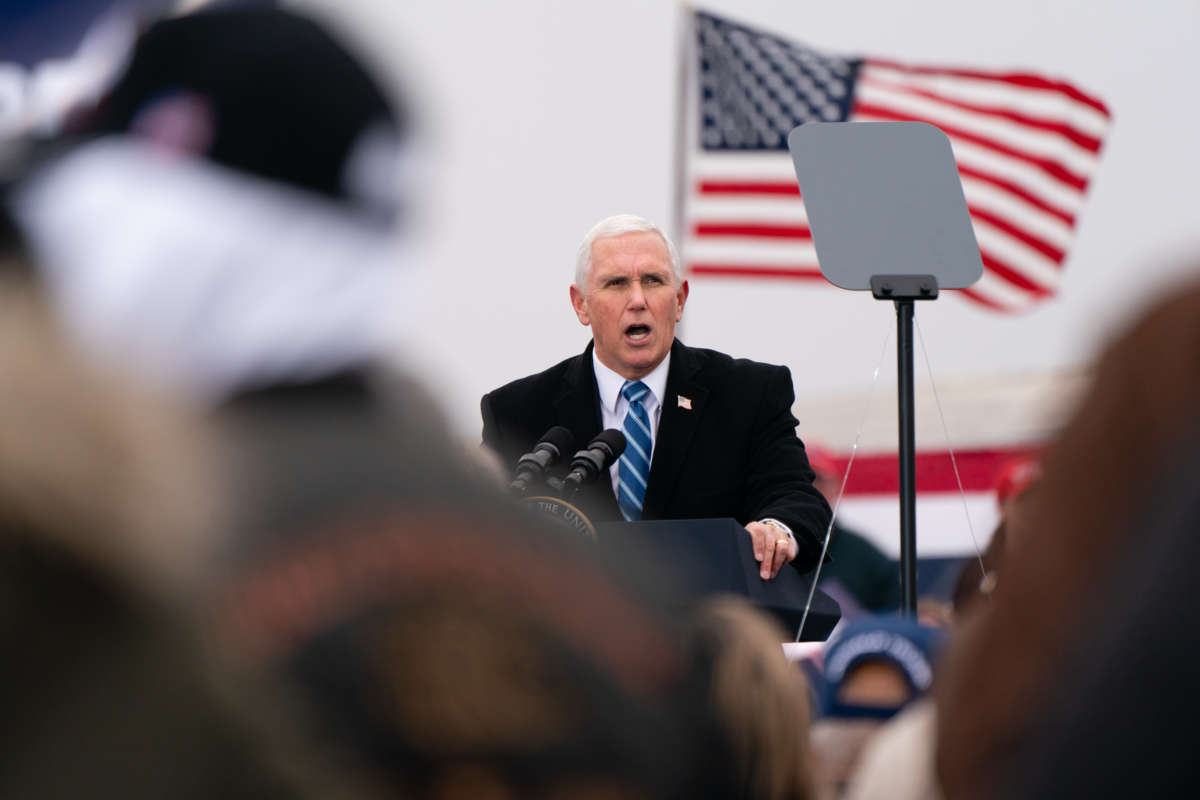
(733, 454)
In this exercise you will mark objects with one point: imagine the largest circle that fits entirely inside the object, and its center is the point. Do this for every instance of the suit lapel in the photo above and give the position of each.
(577, 404)
(676, 428)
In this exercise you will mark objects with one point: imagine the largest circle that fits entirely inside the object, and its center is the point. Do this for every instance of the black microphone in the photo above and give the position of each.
(532, 466)
(599, 455)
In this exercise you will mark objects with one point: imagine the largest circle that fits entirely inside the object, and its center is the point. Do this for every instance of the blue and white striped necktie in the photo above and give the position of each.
(634, 466)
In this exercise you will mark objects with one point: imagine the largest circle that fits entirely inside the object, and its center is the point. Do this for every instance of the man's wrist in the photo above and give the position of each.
(774, 523)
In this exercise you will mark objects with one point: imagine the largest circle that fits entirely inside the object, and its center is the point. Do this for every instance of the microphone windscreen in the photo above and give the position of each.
(613, 439)
(560, 438)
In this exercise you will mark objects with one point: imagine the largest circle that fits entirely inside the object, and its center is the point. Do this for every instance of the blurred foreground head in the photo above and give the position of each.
(1096, 511)
(225, 218)
(761, 700)
(108, 500)
(94, 466)
(469, 655)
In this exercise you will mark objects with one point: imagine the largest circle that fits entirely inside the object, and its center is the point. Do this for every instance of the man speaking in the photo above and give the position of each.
(707, 435)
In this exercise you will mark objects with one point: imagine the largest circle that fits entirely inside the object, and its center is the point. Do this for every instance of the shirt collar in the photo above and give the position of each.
(609, 383)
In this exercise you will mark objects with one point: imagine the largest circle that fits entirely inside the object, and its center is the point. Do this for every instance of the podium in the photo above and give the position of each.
(715, 556)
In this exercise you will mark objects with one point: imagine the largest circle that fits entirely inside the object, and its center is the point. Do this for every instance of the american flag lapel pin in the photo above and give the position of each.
(684, 402)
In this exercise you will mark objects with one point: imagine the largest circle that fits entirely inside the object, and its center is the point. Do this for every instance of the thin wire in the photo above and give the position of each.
(812, 590)
(953, 461)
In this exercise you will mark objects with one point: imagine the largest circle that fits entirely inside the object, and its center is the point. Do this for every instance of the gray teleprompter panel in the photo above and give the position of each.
(884, 198)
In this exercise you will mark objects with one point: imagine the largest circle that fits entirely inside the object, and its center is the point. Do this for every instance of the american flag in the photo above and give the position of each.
(1026, 147)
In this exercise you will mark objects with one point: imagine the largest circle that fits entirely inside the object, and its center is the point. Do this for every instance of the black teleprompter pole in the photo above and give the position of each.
(908, 477)
(903, 290)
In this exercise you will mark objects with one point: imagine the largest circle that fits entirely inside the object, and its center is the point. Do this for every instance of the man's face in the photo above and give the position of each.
(631, 302)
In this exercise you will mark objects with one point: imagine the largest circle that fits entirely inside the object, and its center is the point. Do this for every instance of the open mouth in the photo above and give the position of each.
(637, 333)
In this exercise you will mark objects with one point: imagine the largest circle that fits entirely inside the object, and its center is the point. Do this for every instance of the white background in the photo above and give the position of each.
(539, 118)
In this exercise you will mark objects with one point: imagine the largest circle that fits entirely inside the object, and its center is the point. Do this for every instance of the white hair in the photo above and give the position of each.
(617, 225)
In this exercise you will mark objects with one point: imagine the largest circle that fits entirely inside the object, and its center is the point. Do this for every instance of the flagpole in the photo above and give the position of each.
(685, 39)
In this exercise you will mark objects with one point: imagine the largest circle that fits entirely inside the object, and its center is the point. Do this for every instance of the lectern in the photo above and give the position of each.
(715, 556)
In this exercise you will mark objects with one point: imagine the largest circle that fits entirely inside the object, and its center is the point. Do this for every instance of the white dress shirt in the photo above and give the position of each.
(614, 406)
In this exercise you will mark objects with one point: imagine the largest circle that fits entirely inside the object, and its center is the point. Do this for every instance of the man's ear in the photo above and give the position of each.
(680, 298)
(579, 303)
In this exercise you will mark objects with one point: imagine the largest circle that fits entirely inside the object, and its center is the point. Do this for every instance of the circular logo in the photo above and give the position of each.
(561, 513)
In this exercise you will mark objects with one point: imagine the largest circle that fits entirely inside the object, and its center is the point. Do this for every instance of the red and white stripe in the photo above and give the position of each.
(956, 499)
(1026, 147)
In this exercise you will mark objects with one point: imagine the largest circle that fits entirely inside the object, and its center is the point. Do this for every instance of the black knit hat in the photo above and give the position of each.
(285, 101)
